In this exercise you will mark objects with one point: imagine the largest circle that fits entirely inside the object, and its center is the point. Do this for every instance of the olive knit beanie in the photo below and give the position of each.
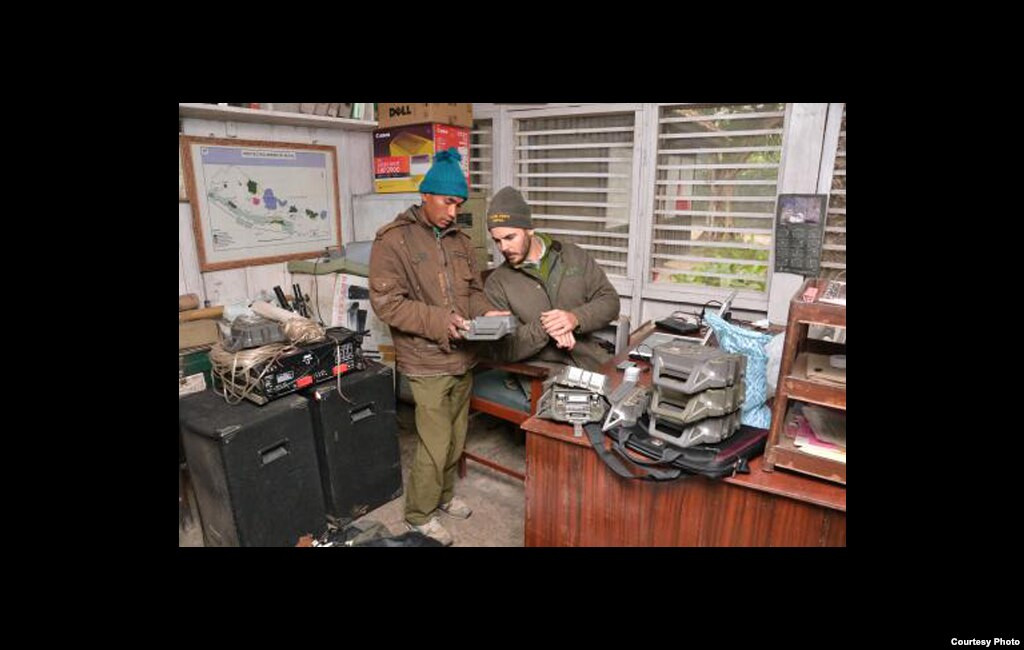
(508, 209)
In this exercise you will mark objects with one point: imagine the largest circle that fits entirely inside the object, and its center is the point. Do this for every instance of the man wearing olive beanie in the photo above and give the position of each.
(424, 284)
(557, 291)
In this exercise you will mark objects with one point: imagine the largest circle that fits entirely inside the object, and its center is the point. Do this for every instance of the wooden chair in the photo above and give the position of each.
(490, 395)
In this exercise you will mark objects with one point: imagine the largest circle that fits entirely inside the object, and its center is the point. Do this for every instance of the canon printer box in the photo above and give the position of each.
(403, 154)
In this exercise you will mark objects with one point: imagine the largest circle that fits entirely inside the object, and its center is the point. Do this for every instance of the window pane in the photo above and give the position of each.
(576, 173)
(714, 199)
(481, 158)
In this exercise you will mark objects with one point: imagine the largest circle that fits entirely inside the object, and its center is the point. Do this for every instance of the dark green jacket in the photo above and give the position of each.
(577, 284)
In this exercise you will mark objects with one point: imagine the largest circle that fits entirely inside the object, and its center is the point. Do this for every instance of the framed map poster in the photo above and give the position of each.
(257, 202)
(182, 197)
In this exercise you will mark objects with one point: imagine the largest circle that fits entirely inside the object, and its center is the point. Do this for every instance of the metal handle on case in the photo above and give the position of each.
(362, 412)
(273, 452)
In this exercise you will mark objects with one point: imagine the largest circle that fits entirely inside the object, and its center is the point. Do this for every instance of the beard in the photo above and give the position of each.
(517, 257)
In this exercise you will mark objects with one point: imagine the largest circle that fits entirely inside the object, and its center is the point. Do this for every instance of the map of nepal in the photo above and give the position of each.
(254, 206)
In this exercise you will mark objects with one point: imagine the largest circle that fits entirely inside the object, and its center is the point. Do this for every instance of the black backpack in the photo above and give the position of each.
(656, 460)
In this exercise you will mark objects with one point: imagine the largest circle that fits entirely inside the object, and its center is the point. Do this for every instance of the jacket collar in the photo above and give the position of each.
(420, 217)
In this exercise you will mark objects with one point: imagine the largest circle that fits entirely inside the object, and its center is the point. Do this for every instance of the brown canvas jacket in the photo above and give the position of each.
(417, 279)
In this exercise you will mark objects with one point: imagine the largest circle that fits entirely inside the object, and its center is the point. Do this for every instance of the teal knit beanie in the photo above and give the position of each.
(445, 176)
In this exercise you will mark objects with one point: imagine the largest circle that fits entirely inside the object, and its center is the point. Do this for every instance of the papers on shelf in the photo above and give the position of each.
(829, 443)
(826, 424)
(835, 293)
(820, 368)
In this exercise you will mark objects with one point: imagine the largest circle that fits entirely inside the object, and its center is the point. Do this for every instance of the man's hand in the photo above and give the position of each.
(567, 341)
(558, 322)
(498, 312)
(456, 325)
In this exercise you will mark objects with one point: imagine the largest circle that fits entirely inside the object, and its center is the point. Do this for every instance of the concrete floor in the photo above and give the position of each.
(497, 500)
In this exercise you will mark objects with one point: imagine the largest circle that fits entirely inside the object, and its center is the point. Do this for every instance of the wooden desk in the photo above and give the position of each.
(573, 499)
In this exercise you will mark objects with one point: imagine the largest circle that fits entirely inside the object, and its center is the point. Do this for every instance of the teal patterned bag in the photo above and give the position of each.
(751, 344)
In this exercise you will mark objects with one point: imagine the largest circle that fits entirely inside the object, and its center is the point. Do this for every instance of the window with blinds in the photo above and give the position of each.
(481, 158)
(714, 198)
(833, 254)
(576, 172)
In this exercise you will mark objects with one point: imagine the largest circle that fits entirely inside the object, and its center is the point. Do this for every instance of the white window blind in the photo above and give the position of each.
(481, 158)
(833, 254)
(714, 198)
(576, 172)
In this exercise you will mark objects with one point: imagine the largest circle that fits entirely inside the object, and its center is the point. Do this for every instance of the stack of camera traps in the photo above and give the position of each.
(697, 394)
(574, 395)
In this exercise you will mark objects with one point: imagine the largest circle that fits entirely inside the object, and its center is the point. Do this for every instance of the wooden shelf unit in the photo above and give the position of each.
(237, 114)
(795, 385)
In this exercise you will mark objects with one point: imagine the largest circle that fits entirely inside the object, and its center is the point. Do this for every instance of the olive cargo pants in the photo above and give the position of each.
(442, 415)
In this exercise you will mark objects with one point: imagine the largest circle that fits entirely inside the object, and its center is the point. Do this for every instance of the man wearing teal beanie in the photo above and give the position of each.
(424, 283)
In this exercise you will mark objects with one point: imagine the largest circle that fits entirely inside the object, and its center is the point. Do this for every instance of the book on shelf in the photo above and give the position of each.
(827, 425)
(364, 112)
(805, 439)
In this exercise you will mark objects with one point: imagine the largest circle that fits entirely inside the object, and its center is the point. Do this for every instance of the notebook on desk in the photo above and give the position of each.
(643, 349)
(677, 325)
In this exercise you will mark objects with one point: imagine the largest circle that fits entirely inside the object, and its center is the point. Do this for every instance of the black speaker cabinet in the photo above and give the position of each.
(254, 469)
(357, 441)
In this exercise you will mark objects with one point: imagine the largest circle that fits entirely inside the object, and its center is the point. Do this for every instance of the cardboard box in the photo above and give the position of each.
(351, 308)
(387, 354)
(194, 333)
(401, 114)
(483, 258)
(402, 155)
(472, 217)
(282, 108)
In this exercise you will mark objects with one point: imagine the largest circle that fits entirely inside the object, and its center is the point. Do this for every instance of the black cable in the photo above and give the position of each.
(316, 293)
(684, 315)
(705, 306)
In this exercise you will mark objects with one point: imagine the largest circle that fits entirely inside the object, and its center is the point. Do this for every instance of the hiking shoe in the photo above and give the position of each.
(434, 530)
(456, 508)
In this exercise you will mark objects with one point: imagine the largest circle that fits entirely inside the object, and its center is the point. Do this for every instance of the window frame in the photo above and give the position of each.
(625, 285)
(806, 144)
(834, 132)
